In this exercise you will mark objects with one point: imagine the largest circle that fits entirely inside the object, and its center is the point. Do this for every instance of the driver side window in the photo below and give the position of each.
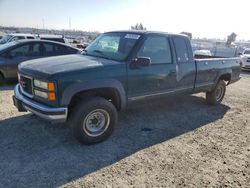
(156, 48)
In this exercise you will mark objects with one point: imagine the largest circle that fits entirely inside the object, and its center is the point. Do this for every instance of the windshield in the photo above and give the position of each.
(115, 46)
(5, 39)
(247, 52)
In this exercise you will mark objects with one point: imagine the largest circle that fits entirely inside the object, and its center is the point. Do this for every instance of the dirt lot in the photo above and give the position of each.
(172, 142)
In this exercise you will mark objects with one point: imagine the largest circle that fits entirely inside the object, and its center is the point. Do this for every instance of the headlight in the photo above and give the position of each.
(49, 87)
(41, 94)
(41, 84)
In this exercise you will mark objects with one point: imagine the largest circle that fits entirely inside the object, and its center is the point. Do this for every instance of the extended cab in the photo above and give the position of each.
(87, 90)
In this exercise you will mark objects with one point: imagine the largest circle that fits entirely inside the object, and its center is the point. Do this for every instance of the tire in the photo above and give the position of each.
(93, 120)
(215, 96)
(1, 79)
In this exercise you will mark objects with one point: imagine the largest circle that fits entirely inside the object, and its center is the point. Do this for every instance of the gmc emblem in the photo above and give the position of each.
(22, 83)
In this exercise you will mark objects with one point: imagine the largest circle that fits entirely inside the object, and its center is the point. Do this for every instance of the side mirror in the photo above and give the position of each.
(240, 53)
(140, 62)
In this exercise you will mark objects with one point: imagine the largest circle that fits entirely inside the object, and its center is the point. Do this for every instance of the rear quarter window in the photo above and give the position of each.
(181, 49)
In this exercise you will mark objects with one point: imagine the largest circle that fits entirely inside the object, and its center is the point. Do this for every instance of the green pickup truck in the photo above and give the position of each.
(87, 90)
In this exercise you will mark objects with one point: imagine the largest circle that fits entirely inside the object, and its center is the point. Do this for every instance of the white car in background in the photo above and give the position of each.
(16, 36)
(245, 59)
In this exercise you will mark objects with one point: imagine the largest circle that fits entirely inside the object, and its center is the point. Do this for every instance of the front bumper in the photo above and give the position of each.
(23, 103)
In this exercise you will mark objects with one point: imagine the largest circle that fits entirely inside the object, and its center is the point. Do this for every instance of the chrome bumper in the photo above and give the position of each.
(45, 112)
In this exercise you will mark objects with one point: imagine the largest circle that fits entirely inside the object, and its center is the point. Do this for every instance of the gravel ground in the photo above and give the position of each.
(175, 141)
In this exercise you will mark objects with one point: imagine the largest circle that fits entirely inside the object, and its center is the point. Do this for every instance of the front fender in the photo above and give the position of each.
(73, 89)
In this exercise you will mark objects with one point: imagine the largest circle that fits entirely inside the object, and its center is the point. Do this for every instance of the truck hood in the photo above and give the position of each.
(65, 63)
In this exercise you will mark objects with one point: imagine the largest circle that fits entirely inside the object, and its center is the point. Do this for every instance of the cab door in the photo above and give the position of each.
(160, 75)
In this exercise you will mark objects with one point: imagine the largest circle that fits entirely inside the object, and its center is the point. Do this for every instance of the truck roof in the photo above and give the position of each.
(140, 32)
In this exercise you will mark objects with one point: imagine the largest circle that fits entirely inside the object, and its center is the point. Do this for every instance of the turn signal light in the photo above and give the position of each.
(51, 86)
(51, 96)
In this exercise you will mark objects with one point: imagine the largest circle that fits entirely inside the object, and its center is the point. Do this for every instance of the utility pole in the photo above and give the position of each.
(69, 23)
(43, 23)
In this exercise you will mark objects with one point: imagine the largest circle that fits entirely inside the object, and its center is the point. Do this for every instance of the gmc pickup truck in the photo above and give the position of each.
(87, 90)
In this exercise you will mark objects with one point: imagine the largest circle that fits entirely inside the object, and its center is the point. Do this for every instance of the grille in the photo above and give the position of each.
(26, 84)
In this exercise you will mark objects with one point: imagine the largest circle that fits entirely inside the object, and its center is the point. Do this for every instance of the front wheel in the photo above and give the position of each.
(93, 120)
(215, 96)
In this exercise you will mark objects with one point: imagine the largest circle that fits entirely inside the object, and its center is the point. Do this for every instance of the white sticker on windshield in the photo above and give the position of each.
(132, 36)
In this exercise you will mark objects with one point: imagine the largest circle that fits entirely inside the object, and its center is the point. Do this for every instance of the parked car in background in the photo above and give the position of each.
(13, 53)
(245, 59)
(16, 36)
(56, 38)
(80, 46)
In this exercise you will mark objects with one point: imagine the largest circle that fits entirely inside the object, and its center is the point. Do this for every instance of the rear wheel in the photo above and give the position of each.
(215, 96)
(1, 79)
(93, 120)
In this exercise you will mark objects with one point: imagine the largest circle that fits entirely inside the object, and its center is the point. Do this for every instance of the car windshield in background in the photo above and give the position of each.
(5, 39)
(115, 46)
(247, 52)
(7, 45)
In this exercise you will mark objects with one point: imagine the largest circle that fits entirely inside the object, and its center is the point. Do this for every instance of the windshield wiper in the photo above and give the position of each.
(103, 55)
(98, 51)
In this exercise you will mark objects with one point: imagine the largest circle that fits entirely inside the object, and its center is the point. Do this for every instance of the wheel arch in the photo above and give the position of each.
(225, 75)
(109, 89)
(2, 74)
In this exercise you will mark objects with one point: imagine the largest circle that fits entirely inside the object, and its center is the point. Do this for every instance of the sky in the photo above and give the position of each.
(203, 18)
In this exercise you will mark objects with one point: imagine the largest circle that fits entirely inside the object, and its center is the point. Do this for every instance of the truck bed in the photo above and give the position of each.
(209, 69)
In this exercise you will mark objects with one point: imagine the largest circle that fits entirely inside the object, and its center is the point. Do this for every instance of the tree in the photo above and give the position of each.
(188, 34)
(230, 39)
(138, 26)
